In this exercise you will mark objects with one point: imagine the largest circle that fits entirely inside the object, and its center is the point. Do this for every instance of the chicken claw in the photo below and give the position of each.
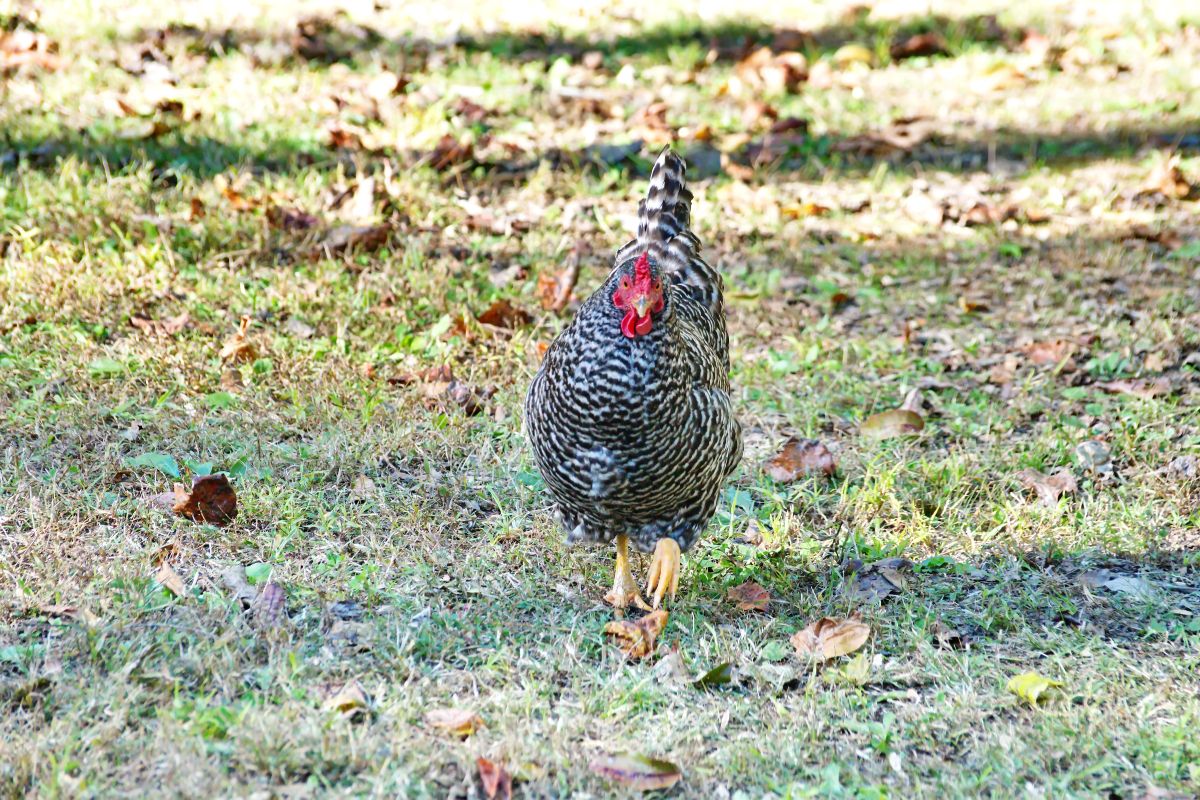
(664, 571)
(624, 590)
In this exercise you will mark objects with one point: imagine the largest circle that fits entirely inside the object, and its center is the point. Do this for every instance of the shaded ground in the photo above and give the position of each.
(1006, 225)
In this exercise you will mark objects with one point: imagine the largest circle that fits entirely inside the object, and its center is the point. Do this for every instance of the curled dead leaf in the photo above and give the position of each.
(234, 579)
(353, 238)
(455, 721)
(554, 291)
(749, 596)
(74, 613)
(1049, 488)
(1050, 353)
(496, 781)
(946, 637)
(638, 772)
(889, 424)
(169, 579)
(1145, 388)
(348, 699)
(450, 152)
(800, 457)
(830, 638)
(238, 348)
(271, 606)
(920, 44)
(1168, 180)
(160, 327)
(503, 314)
(636, 637)
(211, 500)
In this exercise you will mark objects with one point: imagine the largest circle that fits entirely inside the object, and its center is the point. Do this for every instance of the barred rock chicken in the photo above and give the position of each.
(629, 416)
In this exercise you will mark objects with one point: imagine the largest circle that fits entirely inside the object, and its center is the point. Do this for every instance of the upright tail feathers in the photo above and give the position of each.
(664, 218)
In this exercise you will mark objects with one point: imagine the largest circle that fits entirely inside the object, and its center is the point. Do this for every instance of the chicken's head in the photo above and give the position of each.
(640, 297)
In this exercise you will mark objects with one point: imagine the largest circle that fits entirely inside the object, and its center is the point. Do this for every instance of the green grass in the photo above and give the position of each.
(413, 540)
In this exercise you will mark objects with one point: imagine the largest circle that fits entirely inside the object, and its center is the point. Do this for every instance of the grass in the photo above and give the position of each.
(412, 540)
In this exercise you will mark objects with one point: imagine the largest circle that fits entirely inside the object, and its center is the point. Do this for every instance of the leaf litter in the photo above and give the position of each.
(829, 638)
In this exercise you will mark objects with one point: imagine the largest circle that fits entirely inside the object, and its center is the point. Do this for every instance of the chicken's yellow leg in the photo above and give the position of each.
(664, 571)
(624, 590)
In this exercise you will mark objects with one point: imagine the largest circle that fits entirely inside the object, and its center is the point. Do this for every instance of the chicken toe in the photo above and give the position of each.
(664, 571)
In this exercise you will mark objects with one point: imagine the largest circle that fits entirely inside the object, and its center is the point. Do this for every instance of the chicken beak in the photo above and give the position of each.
(641, 305)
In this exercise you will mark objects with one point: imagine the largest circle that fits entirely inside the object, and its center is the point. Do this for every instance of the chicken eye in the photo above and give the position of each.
(624, 283)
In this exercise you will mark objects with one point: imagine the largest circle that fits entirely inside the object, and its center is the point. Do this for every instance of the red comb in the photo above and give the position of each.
(641, 269)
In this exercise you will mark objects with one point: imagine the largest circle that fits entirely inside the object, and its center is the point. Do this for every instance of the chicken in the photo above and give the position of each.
(630, 417)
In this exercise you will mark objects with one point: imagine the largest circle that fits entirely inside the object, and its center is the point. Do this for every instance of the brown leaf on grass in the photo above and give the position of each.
(290, 219)
(237, 348)
(773, 72)
(1144, 388)
(874, 582)
(434, 375)
(169, 579)
(471, 400)
(385, 85)
(1049, 488)
(450, 152)
(496, 782)
(803, 210)
(270, 607)
(749, 596)
(503, 314)
(1168, 180)
(554, 291)
(160, 327)
(901, 135)
(348, 699)
(74, 613)
(636, 637)
(469, 111)
(211, 500)
(234, 579)
(353, 238)
(829, 638)
(236, 199)
(920, 44)
(195, 209)
(458, 722)
(946, 637)
(1164, 238)
(1050, 353)
(800, 457)
(25, 48)
(343, 137)
(889, 424)
(637, 772)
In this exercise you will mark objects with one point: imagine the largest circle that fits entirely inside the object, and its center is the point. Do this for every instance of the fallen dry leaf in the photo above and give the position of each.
(946, 637)
(503, 314)
(876, 581)
(636, 638)
(554, 291)
(920, 44)
(347, 238)
(889, 424)
(1165, 238)
(1145, 388)
(829, 638)
(774, 72)
(853, 53)
(238, 348)
(235, 581)
(271, 606)
(1048, 487)
(497, 783)
(800, 457)
(1030, 686)
(348, 698)
(1168, 180)
(1049, 353)
(211, 500)
(76, 613)
(802, 210)
(455, 721)
(450, 152)
(290, 219)
(160, 327)
(750, 596)
(25, 48)
(169, 579)
(638, 772)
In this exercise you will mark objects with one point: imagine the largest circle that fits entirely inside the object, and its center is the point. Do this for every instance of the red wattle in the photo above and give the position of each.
(627, 324)
(643, 326)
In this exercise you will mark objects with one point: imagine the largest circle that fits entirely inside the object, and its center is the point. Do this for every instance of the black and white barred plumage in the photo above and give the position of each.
(636, 436)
